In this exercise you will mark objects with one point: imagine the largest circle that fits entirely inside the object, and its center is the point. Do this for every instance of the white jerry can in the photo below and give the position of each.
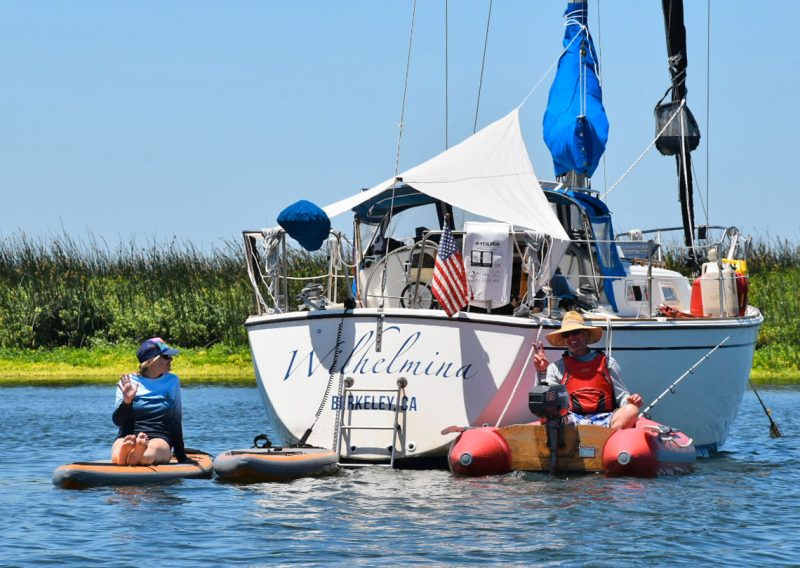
(712, 282)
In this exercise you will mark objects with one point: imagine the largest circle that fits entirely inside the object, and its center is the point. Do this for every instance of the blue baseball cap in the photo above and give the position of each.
(153, 348)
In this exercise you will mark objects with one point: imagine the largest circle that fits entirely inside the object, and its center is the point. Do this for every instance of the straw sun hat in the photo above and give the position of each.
(571, 322)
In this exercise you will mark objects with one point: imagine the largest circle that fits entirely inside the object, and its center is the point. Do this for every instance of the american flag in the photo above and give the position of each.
(449, 277)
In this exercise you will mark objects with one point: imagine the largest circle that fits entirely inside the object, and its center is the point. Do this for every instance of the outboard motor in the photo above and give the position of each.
(551, 403)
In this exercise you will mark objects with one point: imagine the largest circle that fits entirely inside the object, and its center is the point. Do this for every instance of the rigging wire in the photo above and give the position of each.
(700, 195)
(483, 65)
(708, 107)
(405, 91)
(446, 78)
(399, 139)
(600, 78)
(547, 72)
(646, 150)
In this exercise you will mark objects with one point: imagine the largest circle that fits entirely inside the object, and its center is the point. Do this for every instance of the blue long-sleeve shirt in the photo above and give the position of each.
(156, 410)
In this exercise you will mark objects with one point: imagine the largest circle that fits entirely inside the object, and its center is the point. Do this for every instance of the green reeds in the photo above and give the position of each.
(776, 292)
(775, 289)
(773, 254)
(59, 292)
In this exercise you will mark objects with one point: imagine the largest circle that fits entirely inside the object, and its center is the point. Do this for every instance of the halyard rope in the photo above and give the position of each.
(521, 374)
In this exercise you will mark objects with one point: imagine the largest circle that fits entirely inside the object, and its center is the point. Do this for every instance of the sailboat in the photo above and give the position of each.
(365, 361)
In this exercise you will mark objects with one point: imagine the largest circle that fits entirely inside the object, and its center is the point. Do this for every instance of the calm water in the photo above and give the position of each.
(740, 507)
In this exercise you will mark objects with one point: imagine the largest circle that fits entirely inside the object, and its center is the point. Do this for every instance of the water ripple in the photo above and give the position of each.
(739, 507)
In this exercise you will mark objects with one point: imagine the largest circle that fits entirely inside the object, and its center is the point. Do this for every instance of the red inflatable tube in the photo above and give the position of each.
(480, 451)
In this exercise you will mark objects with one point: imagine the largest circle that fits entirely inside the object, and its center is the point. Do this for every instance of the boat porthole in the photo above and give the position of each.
(465, 459)
(353, 449)
(411, 447)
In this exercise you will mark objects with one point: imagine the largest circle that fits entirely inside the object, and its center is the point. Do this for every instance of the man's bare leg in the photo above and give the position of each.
(625, 416)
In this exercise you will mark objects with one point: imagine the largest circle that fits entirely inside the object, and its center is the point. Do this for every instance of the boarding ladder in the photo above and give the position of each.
(345, 426)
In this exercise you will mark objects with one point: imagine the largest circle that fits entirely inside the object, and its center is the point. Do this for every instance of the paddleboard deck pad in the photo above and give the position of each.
(274, 464)
(82, 475)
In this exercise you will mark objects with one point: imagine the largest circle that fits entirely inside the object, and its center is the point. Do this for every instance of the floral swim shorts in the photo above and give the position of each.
(599, 419)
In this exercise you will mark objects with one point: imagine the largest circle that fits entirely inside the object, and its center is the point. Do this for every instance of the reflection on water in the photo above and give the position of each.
(132, 497)
(741, 506)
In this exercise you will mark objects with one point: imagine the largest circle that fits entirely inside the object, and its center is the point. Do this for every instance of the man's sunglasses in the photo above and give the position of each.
(571, 333)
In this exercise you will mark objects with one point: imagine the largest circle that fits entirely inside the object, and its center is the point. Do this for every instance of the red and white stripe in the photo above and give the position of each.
(449, 284)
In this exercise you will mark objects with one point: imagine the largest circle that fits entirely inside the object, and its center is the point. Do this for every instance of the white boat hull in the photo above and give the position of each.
(467, 370)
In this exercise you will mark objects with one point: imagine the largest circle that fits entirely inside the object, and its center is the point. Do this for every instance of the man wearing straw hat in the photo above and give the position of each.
(596, 393)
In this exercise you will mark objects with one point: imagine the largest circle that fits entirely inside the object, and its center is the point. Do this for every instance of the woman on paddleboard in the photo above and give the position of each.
(596, 393)
(148, 410)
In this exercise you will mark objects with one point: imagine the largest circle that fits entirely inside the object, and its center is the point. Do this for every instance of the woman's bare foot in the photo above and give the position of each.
(158, 452)
(122, 449)
(139, 448)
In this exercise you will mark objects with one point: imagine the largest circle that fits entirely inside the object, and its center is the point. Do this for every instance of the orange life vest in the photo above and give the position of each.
(589, 385)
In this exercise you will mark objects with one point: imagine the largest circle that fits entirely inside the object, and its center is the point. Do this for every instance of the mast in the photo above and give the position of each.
(575, 125)
(680, 133)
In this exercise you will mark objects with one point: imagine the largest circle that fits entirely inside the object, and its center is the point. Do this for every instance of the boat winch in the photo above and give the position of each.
(312, 297)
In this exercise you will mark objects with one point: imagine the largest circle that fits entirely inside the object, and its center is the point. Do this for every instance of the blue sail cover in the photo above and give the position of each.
(306, 223)
(575, 123)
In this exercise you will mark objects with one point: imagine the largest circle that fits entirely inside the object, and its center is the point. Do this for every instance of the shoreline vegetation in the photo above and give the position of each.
(74, 312)
(70, 366)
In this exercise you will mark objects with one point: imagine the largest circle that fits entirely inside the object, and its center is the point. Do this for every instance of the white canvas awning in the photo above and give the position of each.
(488, 174)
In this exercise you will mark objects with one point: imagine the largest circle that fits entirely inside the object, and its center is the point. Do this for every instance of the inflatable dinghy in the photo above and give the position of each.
(82, 475)
(647, 450)
(274, 464)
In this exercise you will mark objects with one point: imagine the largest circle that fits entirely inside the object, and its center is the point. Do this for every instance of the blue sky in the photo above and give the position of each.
(194, 119)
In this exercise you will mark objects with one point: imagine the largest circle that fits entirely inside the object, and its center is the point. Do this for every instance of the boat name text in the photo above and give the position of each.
(362, 360)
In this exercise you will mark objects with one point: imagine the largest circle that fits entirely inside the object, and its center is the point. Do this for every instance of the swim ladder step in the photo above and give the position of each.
(343, 422)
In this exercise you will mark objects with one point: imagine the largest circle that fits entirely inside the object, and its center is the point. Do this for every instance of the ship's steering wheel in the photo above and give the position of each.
(402, 266)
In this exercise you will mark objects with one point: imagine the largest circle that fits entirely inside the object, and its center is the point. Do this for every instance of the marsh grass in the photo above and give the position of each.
(775, 289)
(58, 292)
(777, 294)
